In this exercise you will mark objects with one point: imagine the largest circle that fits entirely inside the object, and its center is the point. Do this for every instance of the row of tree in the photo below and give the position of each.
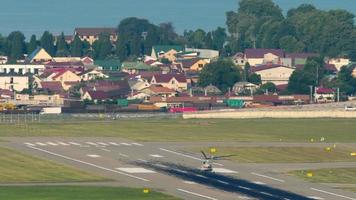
(261, 24)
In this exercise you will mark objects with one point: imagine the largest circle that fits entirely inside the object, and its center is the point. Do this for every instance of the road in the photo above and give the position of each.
(168, 168)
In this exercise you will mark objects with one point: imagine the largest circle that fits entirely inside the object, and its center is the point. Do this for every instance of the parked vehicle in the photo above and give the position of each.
(350, 108)
(51, 111)
(183, 110)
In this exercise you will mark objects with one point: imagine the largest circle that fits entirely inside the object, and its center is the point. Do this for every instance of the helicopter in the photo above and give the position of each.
(207, 165)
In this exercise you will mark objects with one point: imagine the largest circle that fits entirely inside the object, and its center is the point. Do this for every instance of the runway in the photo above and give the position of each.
(168, 168)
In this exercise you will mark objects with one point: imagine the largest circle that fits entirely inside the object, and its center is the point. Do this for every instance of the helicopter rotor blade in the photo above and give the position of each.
(204, 155)
(219, 157)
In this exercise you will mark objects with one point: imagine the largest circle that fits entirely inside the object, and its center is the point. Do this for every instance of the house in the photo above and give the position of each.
(294, 59)
(51, 86)
(92, 34)
(204, 53)
(354, 72)
(324, 95)
(67, 59)
(67, 77)
(6, 94)
(134, 67)
(260, 56)
(244, 88)
(339, 62)
(137, 83)
(22, 68)
(166, 51)
(274, 73)
(108, 65)
(40, 99)
(13, 81)
(172, 81)
(3, 60)
(87, 60)
(239, 59)
(211, 90)
(157, 90)
(39, 55)
(92, 74)
(195, 64)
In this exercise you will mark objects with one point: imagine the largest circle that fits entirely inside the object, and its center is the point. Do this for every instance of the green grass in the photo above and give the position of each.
(78, 193)
(286, 154)
(16, 167)
(289, 130)
(338, 175)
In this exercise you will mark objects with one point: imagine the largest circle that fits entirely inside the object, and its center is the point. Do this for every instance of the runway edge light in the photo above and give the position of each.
(146, 191)
(353, 154)
(309, 174)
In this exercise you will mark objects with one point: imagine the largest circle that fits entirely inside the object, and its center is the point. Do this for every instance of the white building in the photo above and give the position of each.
(277, 74)
(22, 68)
(339, 62)
(13, 81)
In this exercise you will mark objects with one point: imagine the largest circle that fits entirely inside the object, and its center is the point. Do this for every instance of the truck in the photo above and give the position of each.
(51, 111)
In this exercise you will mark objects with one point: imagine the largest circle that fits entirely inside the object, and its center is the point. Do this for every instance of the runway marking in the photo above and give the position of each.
(103, 143)
(268, 177)
(266, 193)
(94, 156)
(51, 143)
(142, 160)
(156, 156)
(244, 197)
(74, 143)
(330, 193)
(92, 143)
(137, 144)
(242, 187)
(29, 144)
(41, 144)
(316, 198)
(201, 176)
(126, 144)
(114, 143)
(187, 156)
(190, 182)
(181, 171)
(224, 171)
(196, 194)
(161, 165)
(259, 183)
(90, 164)
(223, 182)
(107, 150)
(136, 170)
(63, 143)
(123, 155)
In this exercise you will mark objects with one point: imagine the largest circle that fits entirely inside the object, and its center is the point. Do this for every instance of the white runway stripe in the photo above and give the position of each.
(41, 144)
(92, 143)
(51, 143)
(63, 143)
(114, 143)
(196, 194)
(123, 155)
(136, 170)
(333, 194)
(187, 156)
(137, 144)
(89, 164)
(29, 144)
(156, 156)
(126, 144)
(94, 156)
(103, 143)
(75, 143)
(268, 177)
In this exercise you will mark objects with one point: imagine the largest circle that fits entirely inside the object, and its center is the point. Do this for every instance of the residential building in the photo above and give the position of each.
(157, 90)
(50, 86)
(39, 55)
(260, 56)
(244, 88)
(13, 81)
(134, 67)
(67, 77)
(3, 60)
(195, 64)
(354, 72)
(22, 68)
(339, 62)
(166, 51)
(274, 73)
(324, 95)
(92, 34)
(92, 74)
(173, 81)
(41, 99)
(204, 53)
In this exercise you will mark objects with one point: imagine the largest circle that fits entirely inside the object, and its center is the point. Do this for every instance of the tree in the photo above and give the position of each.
(76, 48)
(103, 47)
(62, 46)
(268, 87)
(300, 81)
(219, 38)
(32, 45)
(246, 71)
(47, 42)
(255, 79)
(16, 46)
(291, 44)
(196, 38)
(222, 74)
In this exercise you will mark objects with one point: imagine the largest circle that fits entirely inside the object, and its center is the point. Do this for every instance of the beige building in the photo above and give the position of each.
(13, 82)
(354, 73)
(168, 52)
(65, 76)
(52, 100)
(22, 68)
(39, 56)
(176, 82)
(92, 34)
(277, 74)
(339, 62)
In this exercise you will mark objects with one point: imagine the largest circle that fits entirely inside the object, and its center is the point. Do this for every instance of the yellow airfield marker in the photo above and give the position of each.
(312, 140)
(334, 146)
(309, 174)
(328, 149)
(146, 191)
(213, 150)
(353, 154)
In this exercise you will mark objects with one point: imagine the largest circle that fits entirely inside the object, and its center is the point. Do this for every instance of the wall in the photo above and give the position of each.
(271, 114)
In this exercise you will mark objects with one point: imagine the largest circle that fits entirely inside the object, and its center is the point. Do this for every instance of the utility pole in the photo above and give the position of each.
(338, 94)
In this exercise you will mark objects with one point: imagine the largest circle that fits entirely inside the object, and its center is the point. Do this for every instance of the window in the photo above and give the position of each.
(21, 71)
(200, 65)
(12, 80)
(5, 71)
(12, 70)
(36, 71)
